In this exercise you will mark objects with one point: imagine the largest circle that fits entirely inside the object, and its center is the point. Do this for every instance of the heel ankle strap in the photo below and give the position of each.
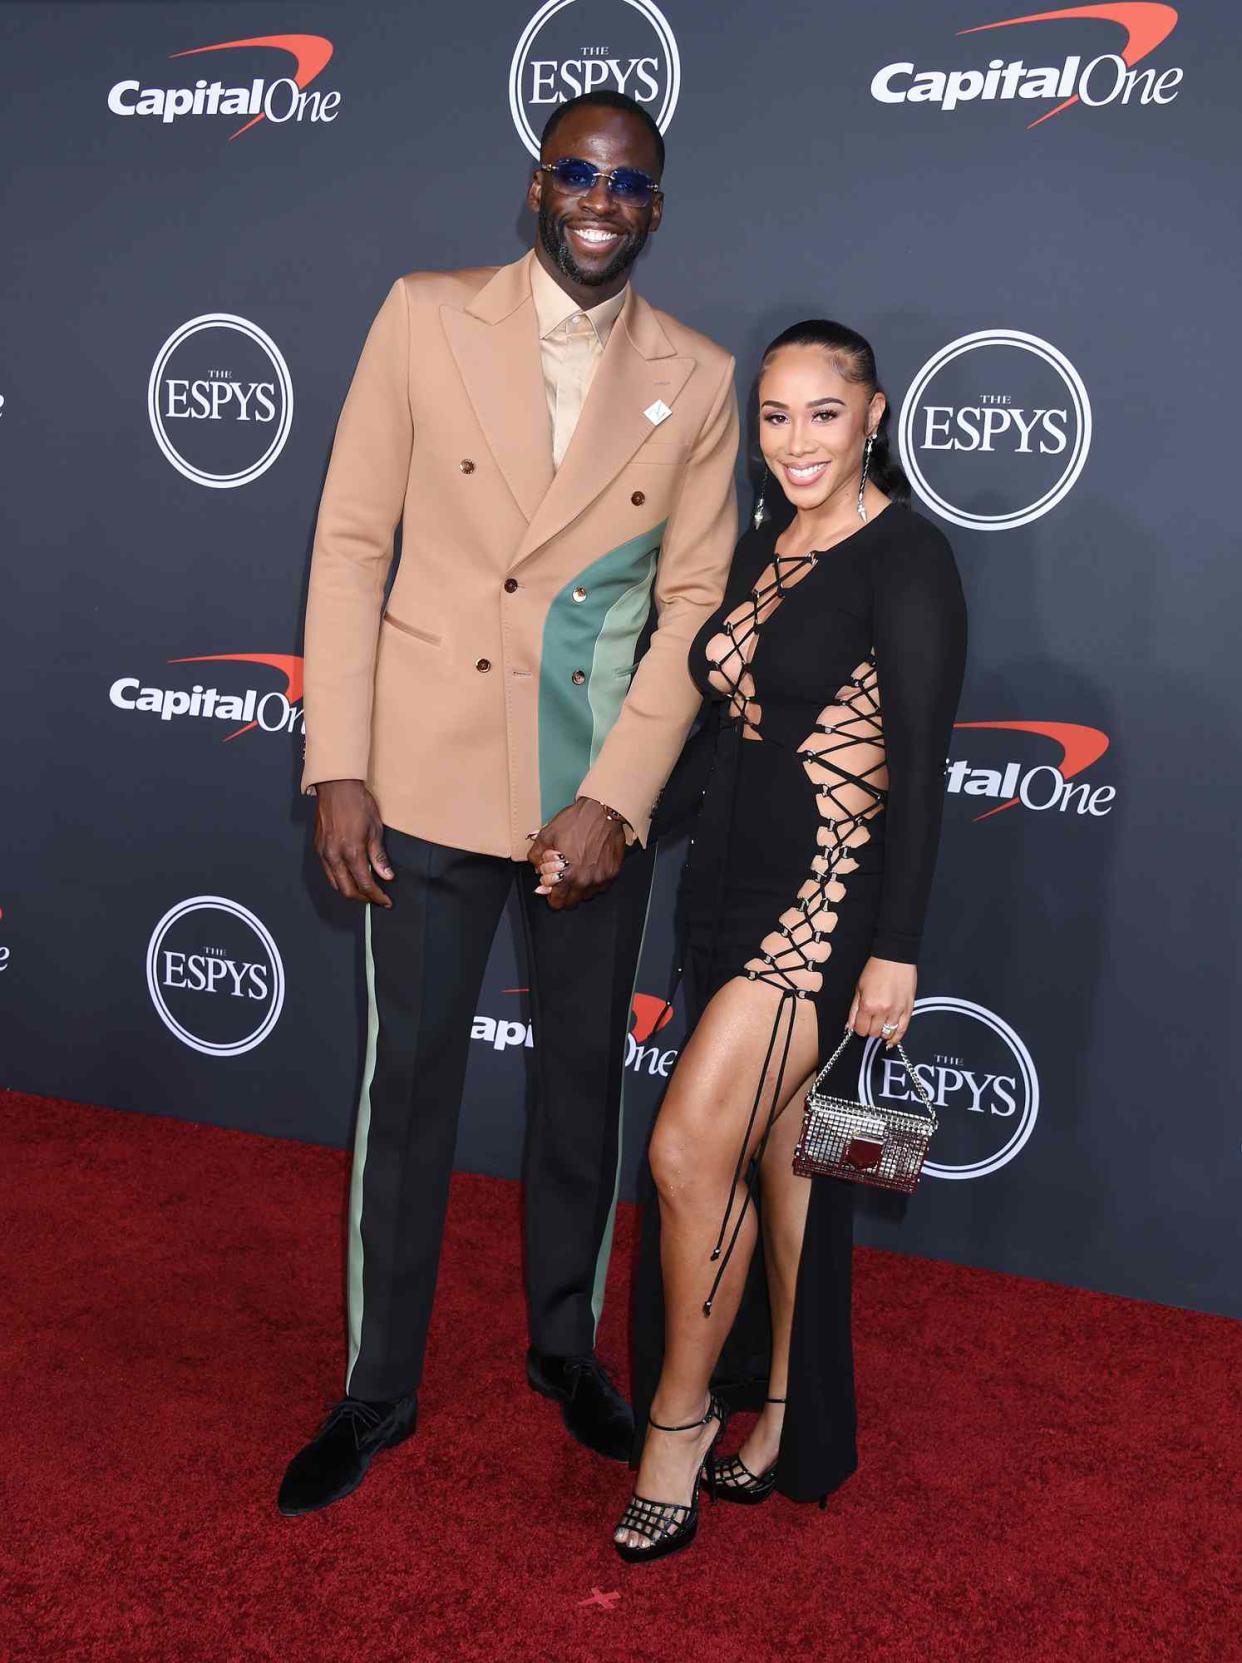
(690, 1426)
(774, 1400)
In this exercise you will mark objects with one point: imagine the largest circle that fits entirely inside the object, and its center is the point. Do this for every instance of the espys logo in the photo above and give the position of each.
(215, 976)
(1038, 786)
(979, 1076)
(278, 101)
(269, 709)
(632, 51)
(1110, 78)
(995, 429)
(220, 400)
(648, 1014)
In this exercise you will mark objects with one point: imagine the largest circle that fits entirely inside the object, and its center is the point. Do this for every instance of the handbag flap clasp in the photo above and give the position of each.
(863, 1153)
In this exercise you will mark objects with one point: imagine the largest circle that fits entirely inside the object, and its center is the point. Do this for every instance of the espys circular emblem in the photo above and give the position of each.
(995, 429)
(220, 400)
(215, 976)
(979, 1076)
(575, 46)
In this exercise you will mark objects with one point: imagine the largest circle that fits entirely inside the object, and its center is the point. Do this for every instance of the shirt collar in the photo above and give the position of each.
(553, 306)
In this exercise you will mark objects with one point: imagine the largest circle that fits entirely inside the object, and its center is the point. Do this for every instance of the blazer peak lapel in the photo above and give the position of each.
(496, 347)
(638, 368)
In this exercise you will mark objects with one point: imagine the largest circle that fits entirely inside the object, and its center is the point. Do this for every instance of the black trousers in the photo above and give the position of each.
(425, 961)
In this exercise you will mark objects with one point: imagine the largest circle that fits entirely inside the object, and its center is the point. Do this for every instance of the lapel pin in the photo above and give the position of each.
(657, 412)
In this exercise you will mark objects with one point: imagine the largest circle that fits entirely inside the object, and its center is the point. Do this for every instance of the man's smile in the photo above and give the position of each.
(593, 236)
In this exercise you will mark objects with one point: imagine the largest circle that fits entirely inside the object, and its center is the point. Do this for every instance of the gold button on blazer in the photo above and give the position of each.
(446, 431)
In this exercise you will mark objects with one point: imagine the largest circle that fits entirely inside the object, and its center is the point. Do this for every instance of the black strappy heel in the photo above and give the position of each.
(669, 1525)
(735, 1482)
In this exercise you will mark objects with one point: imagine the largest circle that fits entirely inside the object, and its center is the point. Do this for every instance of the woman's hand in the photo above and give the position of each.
(885, 994)
(552, 868)
(578, 853)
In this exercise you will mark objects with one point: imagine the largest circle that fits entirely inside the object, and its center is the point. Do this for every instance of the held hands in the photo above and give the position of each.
(349, 840)
(577, 854)
(884, 1000)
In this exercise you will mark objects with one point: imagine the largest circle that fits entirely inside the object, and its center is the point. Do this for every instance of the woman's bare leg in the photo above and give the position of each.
(694, 1153)
(785, 1200)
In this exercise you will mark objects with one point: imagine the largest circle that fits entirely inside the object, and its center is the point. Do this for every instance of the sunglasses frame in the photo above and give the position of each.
(603, 173)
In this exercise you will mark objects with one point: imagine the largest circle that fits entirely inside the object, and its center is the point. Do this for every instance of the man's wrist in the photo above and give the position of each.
(609, 813)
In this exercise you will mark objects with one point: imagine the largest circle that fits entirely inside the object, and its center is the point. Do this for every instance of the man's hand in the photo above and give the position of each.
(349, 840)
(577, 854)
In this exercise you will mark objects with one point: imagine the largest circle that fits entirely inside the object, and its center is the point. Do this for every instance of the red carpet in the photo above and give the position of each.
(1046, 1474)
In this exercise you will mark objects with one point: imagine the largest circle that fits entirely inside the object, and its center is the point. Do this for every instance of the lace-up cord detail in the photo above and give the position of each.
(845, 761)
(730, 653)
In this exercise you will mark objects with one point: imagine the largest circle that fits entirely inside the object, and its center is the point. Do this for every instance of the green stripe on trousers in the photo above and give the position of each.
(362, 1133)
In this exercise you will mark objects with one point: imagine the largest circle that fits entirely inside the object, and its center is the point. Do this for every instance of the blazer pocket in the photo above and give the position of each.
(413, 629)
(670, 453)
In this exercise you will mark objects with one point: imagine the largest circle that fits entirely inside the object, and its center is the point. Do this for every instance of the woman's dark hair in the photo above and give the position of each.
(852, 355)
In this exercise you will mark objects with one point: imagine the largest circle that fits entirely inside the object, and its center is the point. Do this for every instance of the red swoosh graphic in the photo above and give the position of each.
(1145, 24)
(650, 1015)
(1080, 747)
(289, 665)
(310, 54)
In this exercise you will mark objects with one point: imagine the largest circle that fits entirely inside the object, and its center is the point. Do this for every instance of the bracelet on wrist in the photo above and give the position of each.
(609, 813)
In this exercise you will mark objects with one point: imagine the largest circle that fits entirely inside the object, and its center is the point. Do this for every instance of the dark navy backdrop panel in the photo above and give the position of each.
(204, 205)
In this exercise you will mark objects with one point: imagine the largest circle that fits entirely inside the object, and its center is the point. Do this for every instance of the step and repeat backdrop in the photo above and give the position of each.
(1027, 214)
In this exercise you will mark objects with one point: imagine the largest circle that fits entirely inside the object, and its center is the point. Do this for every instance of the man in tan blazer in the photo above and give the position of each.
(560, 458)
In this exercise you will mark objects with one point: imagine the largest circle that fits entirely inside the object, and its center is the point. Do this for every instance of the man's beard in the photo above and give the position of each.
(555, 240)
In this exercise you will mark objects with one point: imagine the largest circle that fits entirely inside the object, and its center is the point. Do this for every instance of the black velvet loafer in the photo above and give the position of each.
(336, 1459)
(591, 1406)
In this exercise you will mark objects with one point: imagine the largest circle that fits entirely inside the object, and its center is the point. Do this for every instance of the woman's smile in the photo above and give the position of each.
(804, 473)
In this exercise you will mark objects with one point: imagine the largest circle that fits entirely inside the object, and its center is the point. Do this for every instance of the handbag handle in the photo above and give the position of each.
(909, 1068)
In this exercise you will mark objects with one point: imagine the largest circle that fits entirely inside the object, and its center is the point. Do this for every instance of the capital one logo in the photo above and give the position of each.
(979, 1076)
(995, 429)
(284, 99)
(215, 976)
(1105, 79)
(220, 400)
(574, 46)
(643, 1053)
(1048, 783)
(244, 709)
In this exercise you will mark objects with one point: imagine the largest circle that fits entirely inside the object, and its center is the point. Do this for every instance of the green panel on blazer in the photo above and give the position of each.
(596, 635)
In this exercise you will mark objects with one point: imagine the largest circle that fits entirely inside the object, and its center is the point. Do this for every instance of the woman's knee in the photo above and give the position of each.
(667, 1155)
(684, 1162)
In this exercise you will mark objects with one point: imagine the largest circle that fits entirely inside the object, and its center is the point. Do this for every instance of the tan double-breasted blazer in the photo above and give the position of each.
(501, 678)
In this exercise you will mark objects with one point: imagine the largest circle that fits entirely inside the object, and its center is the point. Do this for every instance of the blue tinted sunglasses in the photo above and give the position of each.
(576, 177)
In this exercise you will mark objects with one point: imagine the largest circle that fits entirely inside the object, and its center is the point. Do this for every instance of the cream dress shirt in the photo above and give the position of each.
(571, 344)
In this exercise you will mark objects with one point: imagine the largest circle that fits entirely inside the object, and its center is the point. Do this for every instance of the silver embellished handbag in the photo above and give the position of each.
(844, 1139)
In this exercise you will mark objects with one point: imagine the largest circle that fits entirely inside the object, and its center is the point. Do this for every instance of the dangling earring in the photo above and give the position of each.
(862, 483)
(761, 512)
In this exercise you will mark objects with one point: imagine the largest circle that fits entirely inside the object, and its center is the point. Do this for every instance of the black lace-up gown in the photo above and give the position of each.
(831, 683)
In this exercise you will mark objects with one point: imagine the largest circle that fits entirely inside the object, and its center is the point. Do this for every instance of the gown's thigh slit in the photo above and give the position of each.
(844, 760)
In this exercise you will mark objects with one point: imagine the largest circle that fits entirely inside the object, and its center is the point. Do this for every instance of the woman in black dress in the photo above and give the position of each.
(832, 672)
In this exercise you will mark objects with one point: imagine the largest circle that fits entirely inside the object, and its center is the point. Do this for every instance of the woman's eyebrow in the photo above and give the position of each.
(812, 404)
